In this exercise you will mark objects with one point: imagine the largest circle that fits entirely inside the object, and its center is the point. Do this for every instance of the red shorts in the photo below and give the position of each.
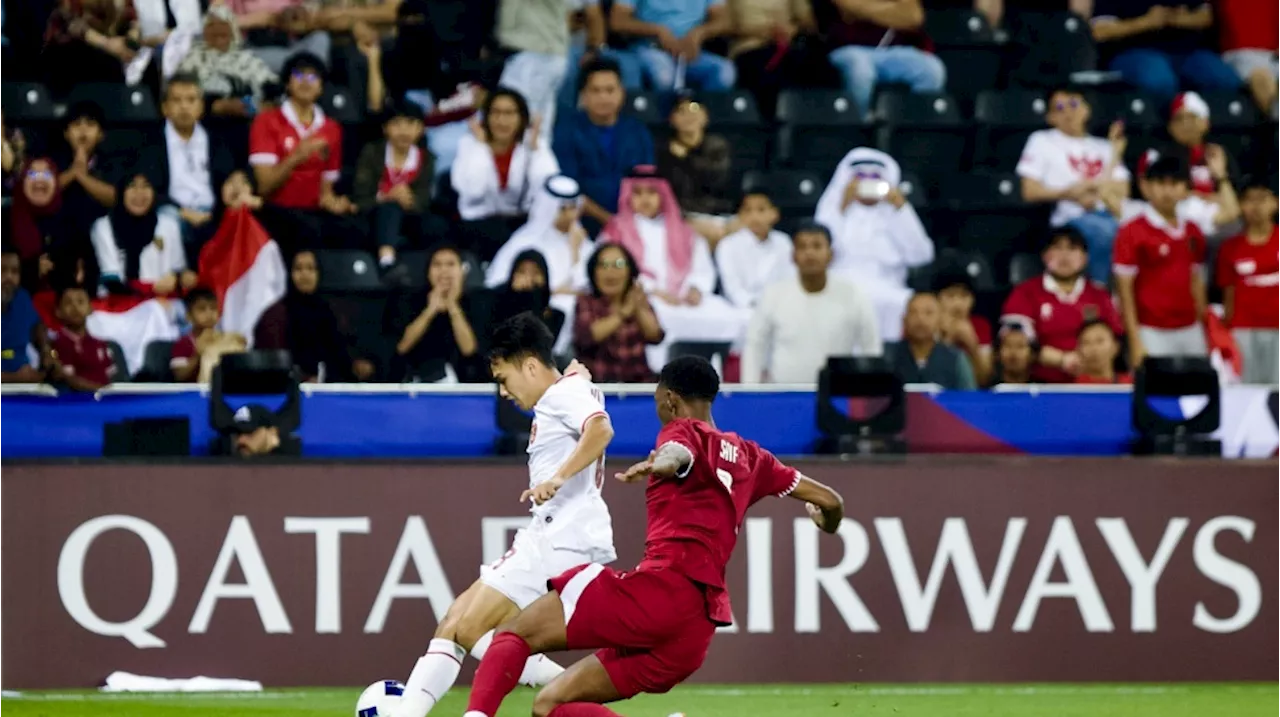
(650, 626)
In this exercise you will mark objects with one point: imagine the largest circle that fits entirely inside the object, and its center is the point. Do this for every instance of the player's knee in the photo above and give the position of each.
(467, 632)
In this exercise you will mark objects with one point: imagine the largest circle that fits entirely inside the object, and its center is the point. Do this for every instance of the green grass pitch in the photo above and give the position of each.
(1053, 700)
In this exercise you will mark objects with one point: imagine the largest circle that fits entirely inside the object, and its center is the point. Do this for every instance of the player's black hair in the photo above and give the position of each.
(182, 78)
(600, 64)
(200, 293)
(521, 336)
(1169, 167)
(813, 228)
(691, 377)
(522, 108)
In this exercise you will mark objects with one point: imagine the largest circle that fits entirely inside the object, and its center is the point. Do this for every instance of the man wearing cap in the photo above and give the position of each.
(1158, 45)
(255, 433)
(1188, 126)
(1051, 308)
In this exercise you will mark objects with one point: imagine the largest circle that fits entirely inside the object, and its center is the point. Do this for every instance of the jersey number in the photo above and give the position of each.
(725, 478)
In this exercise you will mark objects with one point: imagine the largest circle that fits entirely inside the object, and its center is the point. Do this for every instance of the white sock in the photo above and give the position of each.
(538, 669)
(432, 676)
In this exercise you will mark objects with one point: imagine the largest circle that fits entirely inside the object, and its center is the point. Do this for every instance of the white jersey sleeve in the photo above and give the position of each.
(576, 403)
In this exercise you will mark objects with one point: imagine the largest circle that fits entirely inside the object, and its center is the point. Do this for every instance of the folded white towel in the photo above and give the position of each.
(128, 682)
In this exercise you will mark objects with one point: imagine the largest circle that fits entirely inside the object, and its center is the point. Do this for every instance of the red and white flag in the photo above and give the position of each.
(133, 324)
(242, 264)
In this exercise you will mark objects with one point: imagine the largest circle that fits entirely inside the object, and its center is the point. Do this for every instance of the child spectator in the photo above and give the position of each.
(393, 186)
(960, 327)
(1099, 350)
(79, 361)
(755, 256)
(195, 355)
(87, 190)
(1158, 267)
(614, 323)
(1249, 274)
(140, 250)
(1052, 307)
(1015, 355)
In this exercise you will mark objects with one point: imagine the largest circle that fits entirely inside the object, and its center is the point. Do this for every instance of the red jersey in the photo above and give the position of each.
(1054, 318)
(694, 519)
(1161, 258)
(84, 356)
(276, 133)
(1253, 270)
(1120, 378)
(1247, 24)
(981, 329)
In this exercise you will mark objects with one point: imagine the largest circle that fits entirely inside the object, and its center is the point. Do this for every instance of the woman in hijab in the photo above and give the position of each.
(231, 77)
(305, 324)
(527, 290)
(44, 244)
(614, 324)
(439, 329)
(499, 169)
(139, 250)
(699, 167)
(675, 265)
(876, 235)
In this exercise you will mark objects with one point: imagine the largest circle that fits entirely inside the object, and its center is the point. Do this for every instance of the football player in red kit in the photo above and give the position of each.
(652, 626)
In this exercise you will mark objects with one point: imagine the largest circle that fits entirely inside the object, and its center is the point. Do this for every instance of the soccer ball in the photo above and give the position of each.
(379, 699)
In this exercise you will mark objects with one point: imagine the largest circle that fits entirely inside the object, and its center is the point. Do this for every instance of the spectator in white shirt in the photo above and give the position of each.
(1083, 174)
(876, 235)
(187, 165)
(800, 322)
(756, 255)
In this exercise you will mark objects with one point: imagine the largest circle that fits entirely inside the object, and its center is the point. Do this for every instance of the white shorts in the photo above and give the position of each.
(522, 574)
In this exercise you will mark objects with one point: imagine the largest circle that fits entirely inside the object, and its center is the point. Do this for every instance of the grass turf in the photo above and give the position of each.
(1054, 700)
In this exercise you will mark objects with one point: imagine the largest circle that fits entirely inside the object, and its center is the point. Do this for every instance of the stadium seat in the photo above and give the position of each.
(973, 263)
(1141, 114)
(816, 149)
(1047, 48)
(1005, 120)
(1231, 112)
(795, 192)
(958, 27)
(977, 191)
(117, 359)
(916, 191)
(924, 132)
(1023, 266)
(818, 108)
(26, 102)
(971, 70)
(415, 263)
(155, 363)
(736, 108)
(348, 270)
(649, 107)
(339, 104)
(121, 104)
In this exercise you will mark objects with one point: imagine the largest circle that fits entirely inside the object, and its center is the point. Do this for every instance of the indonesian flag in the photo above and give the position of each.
(133, 322)
(243, 266)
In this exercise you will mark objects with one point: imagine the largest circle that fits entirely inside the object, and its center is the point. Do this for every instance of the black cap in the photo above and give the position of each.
(251, 417)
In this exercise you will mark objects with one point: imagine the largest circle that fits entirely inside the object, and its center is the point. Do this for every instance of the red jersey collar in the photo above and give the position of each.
(291, 116)
(1051, 286)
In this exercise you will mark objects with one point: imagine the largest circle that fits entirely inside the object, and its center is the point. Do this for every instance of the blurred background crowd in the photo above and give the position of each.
(982, 191)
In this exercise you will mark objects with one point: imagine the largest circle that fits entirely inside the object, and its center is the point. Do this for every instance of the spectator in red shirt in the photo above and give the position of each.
(1051, 308)
(1099, 351)
(1015, 355)
(960, 327)
(1248, 41)
(296, 153)
(1188, 127)
(1159, 259)
(195, 354)
(614, 323)
(1249, 274)
(83, 362)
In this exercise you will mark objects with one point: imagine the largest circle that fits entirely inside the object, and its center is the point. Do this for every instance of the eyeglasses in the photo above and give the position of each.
(619, 263)
(1062, 106)
(39, 174)
(304, 76)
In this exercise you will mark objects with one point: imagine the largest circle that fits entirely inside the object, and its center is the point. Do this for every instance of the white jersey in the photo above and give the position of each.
(577, 517)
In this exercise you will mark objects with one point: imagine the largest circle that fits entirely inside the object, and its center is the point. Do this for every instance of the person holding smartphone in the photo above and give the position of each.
(876, 235)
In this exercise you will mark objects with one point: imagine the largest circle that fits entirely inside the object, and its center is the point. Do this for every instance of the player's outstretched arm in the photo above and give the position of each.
(825, 506)
(671, 460)
(596, 436)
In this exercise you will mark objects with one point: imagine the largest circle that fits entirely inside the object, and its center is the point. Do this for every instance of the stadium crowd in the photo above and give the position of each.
(984, 192)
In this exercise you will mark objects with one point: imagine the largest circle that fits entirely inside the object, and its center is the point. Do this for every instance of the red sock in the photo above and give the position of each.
(582, 709)
(498, 673)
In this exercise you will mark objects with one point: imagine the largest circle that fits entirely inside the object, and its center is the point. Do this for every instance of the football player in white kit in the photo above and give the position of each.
(570, 524)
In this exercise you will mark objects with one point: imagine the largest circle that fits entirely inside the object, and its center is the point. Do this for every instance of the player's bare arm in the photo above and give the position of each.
(825, 506)
(596, 436)
(670, 460)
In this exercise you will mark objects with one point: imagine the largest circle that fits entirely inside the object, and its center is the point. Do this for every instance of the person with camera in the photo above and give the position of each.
(876, 235)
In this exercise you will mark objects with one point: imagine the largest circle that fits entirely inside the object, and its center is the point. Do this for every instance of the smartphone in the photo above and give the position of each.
(873, 189)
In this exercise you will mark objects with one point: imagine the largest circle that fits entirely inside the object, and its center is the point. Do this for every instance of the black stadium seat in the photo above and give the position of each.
(972, 263)
(924, 132)
(985, 213)
(1230, 112)
(26, 102)
(649, 107)
(348, 270)
(980, 191)
(818, 128)
(795, 192)
(1023, 266)
(818, 108)
(958, 27)
(155, 363)
(120, 104)
(117, 360)
(340, 105)
(1141, 114)
(735, 108)
(1048, 47)
(1005, 120)
(415, 263)
(966, 44)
